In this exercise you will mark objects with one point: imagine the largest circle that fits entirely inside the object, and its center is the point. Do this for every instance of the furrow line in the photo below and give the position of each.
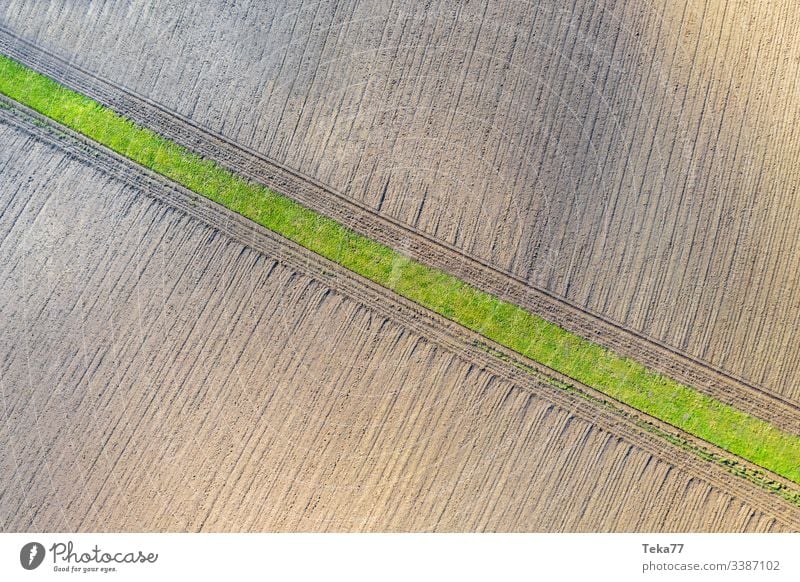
(656, 355)
(613, 417)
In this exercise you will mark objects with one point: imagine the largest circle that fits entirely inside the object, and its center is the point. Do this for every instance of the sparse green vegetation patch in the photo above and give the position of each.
(620, 378)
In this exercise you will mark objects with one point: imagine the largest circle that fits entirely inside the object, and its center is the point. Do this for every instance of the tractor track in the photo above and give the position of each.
(756, 401)
(437, 329)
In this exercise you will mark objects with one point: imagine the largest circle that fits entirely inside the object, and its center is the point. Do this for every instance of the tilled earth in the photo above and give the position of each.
(158, 373)
(635, 158)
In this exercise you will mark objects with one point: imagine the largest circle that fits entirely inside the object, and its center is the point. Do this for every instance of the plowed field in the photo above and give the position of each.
(635, 158)
(159, 374)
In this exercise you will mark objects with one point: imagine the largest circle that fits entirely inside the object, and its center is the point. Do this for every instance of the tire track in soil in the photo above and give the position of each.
(440, 331)
(658, 356)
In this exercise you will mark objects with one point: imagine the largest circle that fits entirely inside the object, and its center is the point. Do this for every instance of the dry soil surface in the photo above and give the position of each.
(156, 374)
(636, 158)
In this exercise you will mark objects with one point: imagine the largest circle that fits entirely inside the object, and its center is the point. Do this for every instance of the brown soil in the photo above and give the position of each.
(633, 158)
(158, 373)
(778, 410)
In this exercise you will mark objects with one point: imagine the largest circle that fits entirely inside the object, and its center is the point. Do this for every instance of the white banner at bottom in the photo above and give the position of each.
(378, 557)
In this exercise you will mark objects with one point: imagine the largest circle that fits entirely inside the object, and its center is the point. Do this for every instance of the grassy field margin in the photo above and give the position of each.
(509, 325)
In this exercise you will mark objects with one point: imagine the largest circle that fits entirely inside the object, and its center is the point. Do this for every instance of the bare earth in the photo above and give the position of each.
(156, 374)
(638, 159)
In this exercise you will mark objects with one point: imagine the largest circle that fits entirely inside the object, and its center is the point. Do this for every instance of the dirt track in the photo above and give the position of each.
(160, 374)
(780, 411)
(643, 144)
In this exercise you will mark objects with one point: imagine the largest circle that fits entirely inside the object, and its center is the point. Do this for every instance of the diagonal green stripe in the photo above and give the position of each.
(507, 324)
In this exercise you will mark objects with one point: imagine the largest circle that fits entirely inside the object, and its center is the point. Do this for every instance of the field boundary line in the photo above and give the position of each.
(701, 459)
(658, 356)
(760, 441)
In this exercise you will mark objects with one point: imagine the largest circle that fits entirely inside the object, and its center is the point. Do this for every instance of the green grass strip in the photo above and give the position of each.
(507, 324)
(730, 464)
